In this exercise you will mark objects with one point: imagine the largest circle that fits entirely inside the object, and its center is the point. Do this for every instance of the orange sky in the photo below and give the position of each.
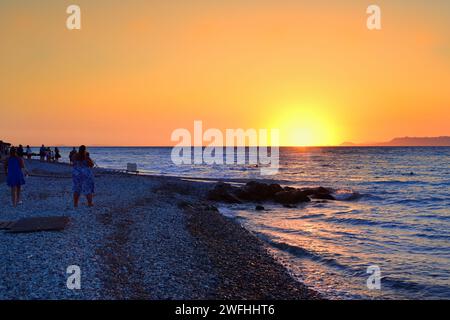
(140, 69)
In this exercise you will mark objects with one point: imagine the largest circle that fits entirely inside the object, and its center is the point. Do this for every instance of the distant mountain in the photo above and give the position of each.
(419, 141)
(408, 142)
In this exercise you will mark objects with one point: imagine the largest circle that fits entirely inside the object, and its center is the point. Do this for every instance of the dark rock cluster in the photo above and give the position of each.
(259, 192)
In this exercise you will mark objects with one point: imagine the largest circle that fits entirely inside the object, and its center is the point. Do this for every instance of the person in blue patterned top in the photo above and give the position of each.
(83, 177)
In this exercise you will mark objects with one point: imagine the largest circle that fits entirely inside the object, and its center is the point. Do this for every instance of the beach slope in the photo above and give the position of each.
(146, 238)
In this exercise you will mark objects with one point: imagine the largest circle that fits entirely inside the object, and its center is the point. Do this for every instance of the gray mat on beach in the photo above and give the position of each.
(39, 224)
(5, 225)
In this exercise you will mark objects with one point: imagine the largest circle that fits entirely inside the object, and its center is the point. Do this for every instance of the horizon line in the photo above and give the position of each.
(224, 146)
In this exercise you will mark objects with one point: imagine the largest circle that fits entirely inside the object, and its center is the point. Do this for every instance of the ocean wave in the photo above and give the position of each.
(420, 200)
(432, 236)
(271, 230)
(432, 216)
(415, 287)
(353, 221)
(300, 252)
(365, 222)
(347, 212)
(413, 182)
(347, 195)
(402, 284)
(310, 216)
(373, 197)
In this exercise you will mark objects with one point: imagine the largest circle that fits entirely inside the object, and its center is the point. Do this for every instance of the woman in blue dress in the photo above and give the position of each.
(82, 176)
(15, 178)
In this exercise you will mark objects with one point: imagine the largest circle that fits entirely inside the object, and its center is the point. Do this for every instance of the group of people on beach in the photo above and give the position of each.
(49, 155)
(20, 151)
(45, 153)
(82, 175)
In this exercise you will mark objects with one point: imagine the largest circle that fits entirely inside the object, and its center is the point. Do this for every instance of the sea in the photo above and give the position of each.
(386, 237)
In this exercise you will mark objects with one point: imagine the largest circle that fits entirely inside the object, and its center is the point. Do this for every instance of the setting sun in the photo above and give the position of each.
(306, 126)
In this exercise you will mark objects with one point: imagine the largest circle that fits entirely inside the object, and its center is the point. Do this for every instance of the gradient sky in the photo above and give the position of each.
(140, 69)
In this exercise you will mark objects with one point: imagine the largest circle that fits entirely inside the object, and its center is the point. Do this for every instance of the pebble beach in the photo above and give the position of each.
(147, 237)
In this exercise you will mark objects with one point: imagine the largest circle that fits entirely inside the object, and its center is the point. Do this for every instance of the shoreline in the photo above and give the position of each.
(102, 170)
(148, 237)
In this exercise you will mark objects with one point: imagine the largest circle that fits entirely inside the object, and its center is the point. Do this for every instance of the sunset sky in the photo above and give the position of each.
(140, 69)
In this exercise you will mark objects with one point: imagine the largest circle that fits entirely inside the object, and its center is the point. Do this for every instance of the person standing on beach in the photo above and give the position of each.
(15, 178)
(49, 154)
(19, 151)
(42, 153)
(29, 153)
(57, 154)
(72, 155)
(83, 177)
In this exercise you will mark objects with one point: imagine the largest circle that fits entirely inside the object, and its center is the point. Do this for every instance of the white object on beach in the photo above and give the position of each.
(132, 167)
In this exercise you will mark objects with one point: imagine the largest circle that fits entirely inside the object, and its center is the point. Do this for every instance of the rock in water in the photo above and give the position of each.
(223, 192)
(319, 193)
(257, 191)
(274, 188)
(259, 208)
(291, 197)
(260, 192)
(323, 196)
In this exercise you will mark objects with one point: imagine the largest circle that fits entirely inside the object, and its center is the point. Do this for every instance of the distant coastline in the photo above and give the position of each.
(443, 141)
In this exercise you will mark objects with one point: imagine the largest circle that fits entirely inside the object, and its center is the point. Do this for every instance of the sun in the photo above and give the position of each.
(306, 127)
(303, 136)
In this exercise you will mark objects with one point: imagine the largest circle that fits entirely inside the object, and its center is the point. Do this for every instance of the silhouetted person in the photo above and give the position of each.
(57, 154)
(15, 178)
(29, 153)
(42, 153)
(19, 151)
(49, 154)
(82, 176)
(72, 155)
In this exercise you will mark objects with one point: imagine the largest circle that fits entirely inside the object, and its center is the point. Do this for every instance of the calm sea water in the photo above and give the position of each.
(394, 213)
